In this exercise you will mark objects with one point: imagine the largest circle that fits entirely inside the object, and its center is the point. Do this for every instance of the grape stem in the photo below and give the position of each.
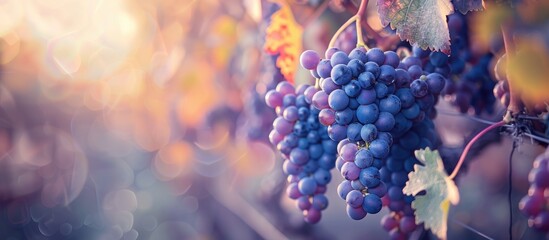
(470, 144)
(340, 30)
(361, 11)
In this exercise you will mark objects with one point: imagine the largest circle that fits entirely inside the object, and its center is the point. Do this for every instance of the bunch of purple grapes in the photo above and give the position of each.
(304, 143)
(534, 205)
(378, 116)
(473, 84)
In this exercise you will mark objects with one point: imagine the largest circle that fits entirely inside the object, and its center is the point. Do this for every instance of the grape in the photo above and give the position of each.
(438, 59)
(381, 90)
(376, 55)
(320, 100)
(358, 55)
(366, 80)
(341, 74)
(350, 171)
(387, 74)
(379, 148)
(356, 213)
(366, 96)
(364, 158)
(356, 67)
(373, 68)
(324, 68)
(354, 132)
(419, 88)
(343, 189)
(352, 89)
(344, 117)
(312, 216)
(367, 113)
(368, 132)
(338, 100)
(391, 104)
(436, 82)
(385, 122)
(309, 59)
(372, 204)
(339, 58)
(354, 199)
(408, 224)
(370, 177)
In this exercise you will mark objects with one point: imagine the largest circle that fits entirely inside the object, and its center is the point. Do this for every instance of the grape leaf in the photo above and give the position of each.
(465, 6)
(431, 208)
(422, 22)
(283, 38)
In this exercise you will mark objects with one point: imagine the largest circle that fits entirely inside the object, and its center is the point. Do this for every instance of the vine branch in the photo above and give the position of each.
(470, 144)
(361, 11)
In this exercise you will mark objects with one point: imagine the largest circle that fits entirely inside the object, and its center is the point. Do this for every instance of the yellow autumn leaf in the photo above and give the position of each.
(283, 38)
(528, 69)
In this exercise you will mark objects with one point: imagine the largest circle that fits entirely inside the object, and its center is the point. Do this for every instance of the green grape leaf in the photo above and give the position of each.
(431, 208)
(465, 6)
(422, 22)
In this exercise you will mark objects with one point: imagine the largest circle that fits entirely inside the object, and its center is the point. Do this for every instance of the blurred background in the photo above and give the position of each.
(146, 120)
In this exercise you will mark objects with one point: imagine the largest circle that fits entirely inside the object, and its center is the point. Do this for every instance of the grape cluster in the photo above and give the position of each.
(378, 116)
(534, 205)
(304, 143)
(473, 83)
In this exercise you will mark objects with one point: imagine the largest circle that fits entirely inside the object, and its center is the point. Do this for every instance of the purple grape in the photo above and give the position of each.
(354, 199)
(350, 171)
(372, 203)
(330, 52)
(343, 189)
(320, 100)
(339, 58)
(328, 86)
(376, 55)
(324, 68)
(327, 117)
(309, 59)
(312, 216)
(356, 213)
(292, 191)
(370, 177)
(337, 132)
(338, 100)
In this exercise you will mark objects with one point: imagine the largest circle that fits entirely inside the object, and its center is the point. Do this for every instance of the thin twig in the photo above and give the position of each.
(359, 14)
(541, 139)
(470, 144)
(471, 229)
(480, 120)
